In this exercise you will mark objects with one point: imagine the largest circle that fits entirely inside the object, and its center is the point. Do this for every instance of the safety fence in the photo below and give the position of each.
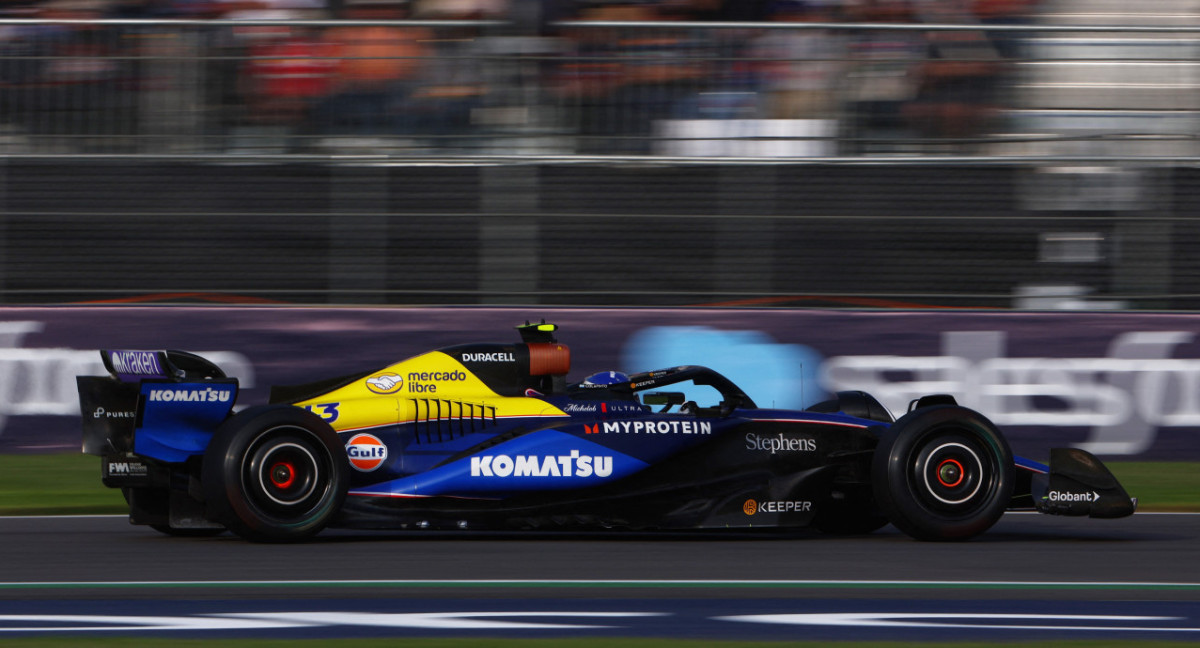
(482, 162)
(947, 234)
(692, 90)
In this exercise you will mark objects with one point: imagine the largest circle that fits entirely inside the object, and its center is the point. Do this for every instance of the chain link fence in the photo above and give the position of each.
(599, 163)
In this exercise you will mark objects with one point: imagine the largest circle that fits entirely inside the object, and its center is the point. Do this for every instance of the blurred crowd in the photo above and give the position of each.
(516, 67)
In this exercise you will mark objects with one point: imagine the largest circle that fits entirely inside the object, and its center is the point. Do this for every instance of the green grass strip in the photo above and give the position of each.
(64, 484)
(55, 484)
(1160, 486)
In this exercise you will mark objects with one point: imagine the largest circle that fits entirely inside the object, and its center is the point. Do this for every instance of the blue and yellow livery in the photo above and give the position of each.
(493, 436)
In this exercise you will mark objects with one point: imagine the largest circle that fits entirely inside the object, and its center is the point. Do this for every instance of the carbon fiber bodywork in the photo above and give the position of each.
(492, 436)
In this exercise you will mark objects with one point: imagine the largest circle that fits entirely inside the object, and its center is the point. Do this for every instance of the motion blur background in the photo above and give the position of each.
(1002, 153)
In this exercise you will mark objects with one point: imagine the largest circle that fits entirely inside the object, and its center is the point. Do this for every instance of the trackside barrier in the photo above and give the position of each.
(778, 89)
(1118, 384)
(569, 233)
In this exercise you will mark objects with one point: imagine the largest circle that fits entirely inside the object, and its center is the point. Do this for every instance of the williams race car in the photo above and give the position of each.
(492, 436)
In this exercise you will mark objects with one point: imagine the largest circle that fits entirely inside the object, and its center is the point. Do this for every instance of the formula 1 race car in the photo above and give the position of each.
(492, 436)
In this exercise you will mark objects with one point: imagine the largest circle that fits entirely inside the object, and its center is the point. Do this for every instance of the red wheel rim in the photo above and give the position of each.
(283, 475)
(950, 473)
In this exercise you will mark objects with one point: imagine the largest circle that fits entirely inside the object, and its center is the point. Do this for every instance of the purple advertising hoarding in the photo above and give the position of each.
(1123, 385)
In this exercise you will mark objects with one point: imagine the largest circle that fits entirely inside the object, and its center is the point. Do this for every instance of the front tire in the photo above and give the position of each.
(943, 473)
(275, 473)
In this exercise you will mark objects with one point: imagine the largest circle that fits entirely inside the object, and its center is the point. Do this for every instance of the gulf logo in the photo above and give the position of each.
(366, 452)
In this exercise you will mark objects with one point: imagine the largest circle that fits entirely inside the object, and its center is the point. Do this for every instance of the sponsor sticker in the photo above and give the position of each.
(572, 465)
(127, 469)
(135, 363)
(657, 427)
(387, 383)
(192, 395)
(366, 452)
(779, 443)
(488, 357)
(425, 382)
(102, 413)
(752, 507)
(1063, 496)
(601, 408)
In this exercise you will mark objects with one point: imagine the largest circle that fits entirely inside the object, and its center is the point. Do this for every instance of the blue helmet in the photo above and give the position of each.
(606, 378)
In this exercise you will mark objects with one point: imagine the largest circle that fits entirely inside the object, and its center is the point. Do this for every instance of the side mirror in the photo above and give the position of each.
(666, 399)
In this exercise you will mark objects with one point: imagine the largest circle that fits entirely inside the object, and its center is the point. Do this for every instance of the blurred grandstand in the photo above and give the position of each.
(976, 153)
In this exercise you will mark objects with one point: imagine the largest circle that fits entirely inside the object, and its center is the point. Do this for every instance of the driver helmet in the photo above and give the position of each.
(606, 378)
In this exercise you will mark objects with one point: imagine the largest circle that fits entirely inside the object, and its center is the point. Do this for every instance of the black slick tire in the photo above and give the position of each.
(943, 473)
(274, 473)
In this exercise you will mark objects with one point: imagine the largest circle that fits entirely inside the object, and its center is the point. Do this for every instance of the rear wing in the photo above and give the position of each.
(131, 366)
(158, 404)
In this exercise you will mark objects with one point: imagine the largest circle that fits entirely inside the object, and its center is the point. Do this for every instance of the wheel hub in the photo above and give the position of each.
(283, 475)
(286, 473)
(952, 472)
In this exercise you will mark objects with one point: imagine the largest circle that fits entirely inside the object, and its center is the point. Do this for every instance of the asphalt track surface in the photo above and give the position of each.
(1031, 576)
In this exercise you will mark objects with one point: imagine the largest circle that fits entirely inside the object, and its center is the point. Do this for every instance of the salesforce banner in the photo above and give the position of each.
(1121, 385)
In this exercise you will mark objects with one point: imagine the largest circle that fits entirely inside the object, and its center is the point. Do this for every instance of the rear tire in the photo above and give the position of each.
(275, 473)
(943, 473)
